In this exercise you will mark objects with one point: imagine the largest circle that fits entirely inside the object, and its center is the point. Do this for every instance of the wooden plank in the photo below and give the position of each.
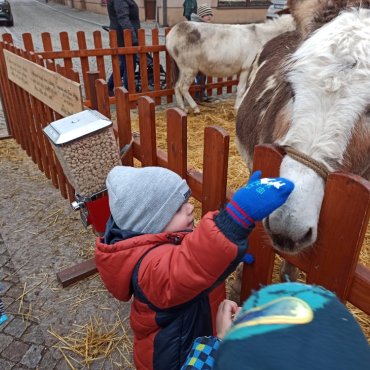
(177, 141)
(124, 123)
(29, 123)
(115, 60)
(359, 294)
(267, 159)
(64, 43)
(17, 113)
(62, 180)
(99, 52)
(28, 42)
(82, 45)
(169, 81)
(344, 218)
(130, 67)
(215, 163)
(219, 89)
(229, 88)
(56, 91)
(103, 98)
(143, 61)
(47, 43)
(54, 163)
(77, 272)
(147, 132)
(156, 65)
(92, 77)
(98, 44)
(6, 101)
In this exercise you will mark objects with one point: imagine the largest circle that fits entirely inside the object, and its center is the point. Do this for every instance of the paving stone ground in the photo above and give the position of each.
(22, 344)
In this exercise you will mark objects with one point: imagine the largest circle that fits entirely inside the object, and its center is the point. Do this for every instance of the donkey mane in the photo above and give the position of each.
(311, 92)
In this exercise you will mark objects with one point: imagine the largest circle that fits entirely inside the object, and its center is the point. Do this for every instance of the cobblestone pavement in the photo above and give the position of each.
(22, 344)
(39, 236)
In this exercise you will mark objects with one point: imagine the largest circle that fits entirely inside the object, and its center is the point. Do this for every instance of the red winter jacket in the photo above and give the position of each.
(173, 278)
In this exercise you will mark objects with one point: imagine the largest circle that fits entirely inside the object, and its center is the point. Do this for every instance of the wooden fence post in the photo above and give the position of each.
(148, 140)
(215, 163)
(267, 159)
(124, 124)
(92, 77)
(177, 141)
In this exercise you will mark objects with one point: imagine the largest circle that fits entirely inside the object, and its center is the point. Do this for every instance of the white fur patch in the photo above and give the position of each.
(330, 75)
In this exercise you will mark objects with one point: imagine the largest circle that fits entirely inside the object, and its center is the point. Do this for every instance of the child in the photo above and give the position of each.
(150, 251)
(202, 14)
(285, 326)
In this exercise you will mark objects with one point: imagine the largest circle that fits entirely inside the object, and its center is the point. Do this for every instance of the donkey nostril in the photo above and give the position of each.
(308, 235)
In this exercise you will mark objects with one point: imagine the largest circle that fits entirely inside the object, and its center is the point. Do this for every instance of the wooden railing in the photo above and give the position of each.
(94, 60)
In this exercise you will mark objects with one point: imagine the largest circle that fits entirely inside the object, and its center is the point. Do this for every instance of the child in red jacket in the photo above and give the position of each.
(151, 251)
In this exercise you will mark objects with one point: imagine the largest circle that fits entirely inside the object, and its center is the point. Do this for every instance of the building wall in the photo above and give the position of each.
(175, 10)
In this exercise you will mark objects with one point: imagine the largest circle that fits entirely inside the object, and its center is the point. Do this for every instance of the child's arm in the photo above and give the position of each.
(171, 275)
(202, 353)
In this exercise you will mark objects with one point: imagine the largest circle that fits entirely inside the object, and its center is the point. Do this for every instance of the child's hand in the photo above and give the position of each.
(226, 311)
(258, 198)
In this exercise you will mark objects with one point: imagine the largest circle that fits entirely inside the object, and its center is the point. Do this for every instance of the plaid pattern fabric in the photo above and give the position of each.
(202, 354)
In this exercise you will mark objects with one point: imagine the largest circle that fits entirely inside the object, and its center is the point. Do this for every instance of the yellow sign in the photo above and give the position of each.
(57, 92)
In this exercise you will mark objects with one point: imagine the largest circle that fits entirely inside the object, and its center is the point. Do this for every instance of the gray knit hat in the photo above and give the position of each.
(204, 10)
(145, 199)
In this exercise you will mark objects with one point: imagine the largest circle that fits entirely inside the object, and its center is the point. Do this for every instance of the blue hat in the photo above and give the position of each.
(293, 326)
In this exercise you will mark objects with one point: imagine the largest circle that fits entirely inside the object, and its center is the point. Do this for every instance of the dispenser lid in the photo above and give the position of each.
(76, 126)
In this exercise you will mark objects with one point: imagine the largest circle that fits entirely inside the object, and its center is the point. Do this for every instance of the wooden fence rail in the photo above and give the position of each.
(333, 262)
(98, 59)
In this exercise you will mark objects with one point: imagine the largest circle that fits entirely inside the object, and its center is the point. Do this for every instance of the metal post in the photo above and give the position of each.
(164, 4)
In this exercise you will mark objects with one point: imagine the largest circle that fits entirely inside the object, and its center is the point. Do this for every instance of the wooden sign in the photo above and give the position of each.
(56, 91)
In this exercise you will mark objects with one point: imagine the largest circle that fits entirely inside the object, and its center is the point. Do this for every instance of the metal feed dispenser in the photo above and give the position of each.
(87, 150)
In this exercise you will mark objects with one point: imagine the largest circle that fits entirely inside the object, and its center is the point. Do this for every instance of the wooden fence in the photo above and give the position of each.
(94, 61)
(332, 262)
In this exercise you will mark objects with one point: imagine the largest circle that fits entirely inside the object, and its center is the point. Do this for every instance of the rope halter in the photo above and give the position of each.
(300, 157)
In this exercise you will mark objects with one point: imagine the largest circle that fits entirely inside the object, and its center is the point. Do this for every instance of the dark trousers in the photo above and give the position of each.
(123, 72)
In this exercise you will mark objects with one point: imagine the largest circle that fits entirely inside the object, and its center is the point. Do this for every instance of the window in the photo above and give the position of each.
(243, 3)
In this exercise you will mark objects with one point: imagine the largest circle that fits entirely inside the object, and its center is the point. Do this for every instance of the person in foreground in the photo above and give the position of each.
(176, 275)
(286, 326)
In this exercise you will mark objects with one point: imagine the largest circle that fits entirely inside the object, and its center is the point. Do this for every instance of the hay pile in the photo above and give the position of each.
(222, 114)
(94, 341)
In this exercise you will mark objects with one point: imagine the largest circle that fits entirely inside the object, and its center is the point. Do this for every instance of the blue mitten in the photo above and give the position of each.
(256, 200)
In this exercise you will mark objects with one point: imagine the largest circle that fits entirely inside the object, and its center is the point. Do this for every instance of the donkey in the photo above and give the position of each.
(218, 50)
(310, 94)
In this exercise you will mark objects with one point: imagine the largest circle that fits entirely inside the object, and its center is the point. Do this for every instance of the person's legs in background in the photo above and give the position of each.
(123, 74)
(201, 80)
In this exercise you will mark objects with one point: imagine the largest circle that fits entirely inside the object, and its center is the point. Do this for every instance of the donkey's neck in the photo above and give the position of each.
(270, 29)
